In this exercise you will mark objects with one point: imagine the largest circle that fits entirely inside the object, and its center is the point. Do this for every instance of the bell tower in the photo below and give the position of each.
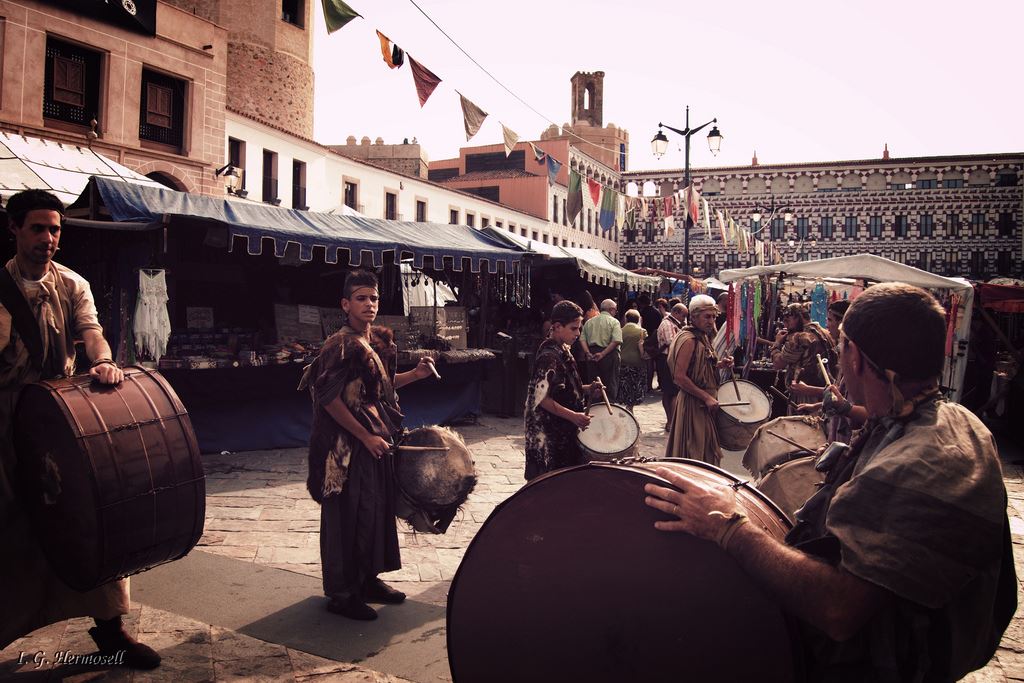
(587, 97)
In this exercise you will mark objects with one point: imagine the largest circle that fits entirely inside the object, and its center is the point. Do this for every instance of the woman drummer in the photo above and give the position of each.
(555, 396)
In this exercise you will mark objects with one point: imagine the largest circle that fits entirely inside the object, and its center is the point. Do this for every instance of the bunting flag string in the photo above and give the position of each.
(537, 153)
(510, 139)
(670, 206)
(607, 216)
(425, 80)
(554, 166)
(389, 51)
(707, 216)
(595, 191)
(574, 200)
(693, 203)
(472, 116)
(337, 14)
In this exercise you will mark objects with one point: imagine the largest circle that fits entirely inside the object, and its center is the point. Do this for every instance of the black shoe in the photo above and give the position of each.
(351, 607)
(376, 590)
(112, 642)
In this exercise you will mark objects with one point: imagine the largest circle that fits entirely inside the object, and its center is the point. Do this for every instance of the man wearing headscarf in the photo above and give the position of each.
(796, 349)
(693, 363)
(900, 567)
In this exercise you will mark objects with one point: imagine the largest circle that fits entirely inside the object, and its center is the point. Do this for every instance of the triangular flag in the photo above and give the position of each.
(607, 215)
(732, 228)
(595, 190)
(620, 210)
(472, 116)
(707, 216)
(670, 206)
(721, 225)
(424, 79)
(337, 14)
(510, 138)
(632, 212)
(693, 202)
(537, 154)
(397, 56)
(385, 49)
(554, 166)
(574, 200)
(670, 227)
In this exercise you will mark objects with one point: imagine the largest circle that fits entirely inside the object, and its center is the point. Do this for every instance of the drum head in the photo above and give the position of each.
(568, 580)
(790, 484)
(612, 433)
(759, 406)
(766, 449)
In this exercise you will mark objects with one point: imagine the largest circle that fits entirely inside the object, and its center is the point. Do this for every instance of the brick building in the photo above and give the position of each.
(952, 215)
(154, 81)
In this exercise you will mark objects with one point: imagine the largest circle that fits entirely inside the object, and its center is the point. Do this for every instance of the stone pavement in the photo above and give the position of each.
(259, 514)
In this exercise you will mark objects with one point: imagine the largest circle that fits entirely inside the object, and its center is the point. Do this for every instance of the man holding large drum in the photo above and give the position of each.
(44, 308)
(900, 567)
(693, 363)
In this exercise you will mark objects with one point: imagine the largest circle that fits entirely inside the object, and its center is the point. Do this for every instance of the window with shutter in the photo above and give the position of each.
(68, 81)
(159, 106)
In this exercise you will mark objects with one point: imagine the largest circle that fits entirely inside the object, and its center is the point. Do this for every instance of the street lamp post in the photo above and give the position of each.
(659, 145)
(771, 210)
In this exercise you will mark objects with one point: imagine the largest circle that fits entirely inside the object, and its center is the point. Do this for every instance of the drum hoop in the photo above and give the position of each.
(631, 416)
(725, 411)
(737, 483)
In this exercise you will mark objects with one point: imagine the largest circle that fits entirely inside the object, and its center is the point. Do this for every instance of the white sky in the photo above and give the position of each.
(797, 81)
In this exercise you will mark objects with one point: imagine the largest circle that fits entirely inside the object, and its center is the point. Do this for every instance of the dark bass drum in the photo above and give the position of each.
(114, 483)
(568, 580)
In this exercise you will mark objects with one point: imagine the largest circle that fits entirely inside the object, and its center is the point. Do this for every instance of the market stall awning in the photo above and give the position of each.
(447, 245)
(864, 266)
(592, 263)
(28, 163)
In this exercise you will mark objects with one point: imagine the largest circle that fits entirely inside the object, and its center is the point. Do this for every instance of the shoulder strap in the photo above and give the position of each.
(22, 319)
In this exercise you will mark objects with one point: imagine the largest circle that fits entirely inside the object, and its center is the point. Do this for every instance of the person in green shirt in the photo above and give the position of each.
(602, 336)
(633, 369)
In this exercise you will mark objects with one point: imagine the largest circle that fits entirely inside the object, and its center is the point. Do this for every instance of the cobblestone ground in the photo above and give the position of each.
(258, 511)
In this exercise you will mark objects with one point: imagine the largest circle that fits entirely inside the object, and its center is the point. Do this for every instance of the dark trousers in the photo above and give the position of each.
(666, 383)
(608, 370)
(358, 534)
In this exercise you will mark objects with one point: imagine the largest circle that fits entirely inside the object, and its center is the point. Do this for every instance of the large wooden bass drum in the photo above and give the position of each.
(568, 580)
(114, 481)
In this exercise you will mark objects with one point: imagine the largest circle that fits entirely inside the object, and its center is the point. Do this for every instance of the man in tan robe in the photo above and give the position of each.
(59, 309)
(693, 363)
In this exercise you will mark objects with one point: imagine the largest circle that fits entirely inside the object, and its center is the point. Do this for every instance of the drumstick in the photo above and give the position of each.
(608, 403)
(421, 448)
(434, 370)
(824, 372)
(789, 441)
(735, 386)
(781, 395)
(734, 403)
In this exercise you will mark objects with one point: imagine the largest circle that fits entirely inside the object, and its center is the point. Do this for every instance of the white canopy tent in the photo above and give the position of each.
(877, 269)
(592, 264)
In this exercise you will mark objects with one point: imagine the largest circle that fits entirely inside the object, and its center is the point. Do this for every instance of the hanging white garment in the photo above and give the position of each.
(152, 324)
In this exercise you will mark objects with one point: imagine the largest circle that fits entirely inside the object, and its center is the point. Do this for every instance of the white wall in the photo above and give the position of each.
(327, 171)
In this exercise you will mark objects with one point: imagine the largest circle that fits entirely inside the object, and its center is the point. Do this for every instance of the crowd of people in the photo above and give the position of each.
(899, 568)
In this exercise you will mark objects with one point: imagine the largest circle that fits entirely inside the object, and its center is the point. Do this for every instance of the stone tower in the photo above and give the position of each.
(270, 53)
(587, 97)
(587, 132)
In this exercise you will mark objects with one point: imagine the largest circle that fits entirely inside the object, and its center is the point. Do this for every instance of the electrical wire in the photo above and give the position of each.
(504, 87)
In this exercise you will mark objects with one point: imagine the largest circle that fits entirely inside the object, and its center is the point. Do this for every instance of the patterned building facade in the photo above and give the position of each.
(951, 215)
